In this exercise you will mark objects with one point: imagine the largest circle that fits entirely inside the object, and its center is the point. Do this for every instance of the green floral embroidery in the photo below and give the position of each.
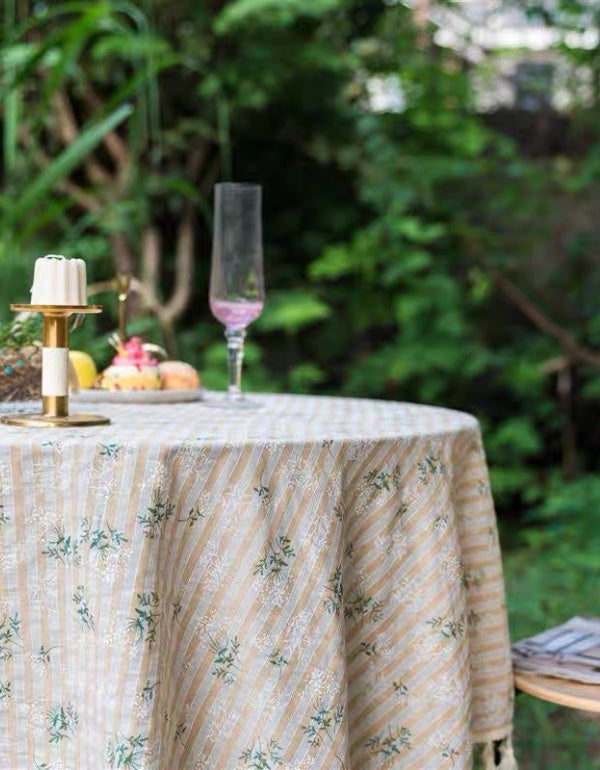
(367, 648)
(4, 519)
(154, 518)
(323, 723)
(263, 493)
(62, 547)
(401, 689)
(402, 509)
(61, 722)
(179, 731)
(259, 758)
(227, 661)
(103, 540)
(193, 516)
(43, 766)
(362, 607)
(381, 480)
(4, 690)
(277, 660)
(449, 628)
(483, 488)
(276, 559)
(450, 753)
(110, 450)
(148, 691)
(473, 618)
(430, 466)
(333, 602)
(469, 579)
(349, 552)
(339, 511)
(10, 634)
(145, 623)
(176, 610)
(122, 751)
(43, 656)
(86, 619)
(440, 521)
(390, 744)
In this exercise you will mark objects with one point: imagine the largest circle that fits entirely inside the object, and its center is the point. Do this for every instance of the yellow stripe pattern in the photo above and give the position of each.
(314, 584)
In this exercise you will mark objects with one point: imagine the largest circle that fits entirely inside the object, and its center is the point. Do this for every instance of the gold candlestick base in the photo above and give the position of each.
(47, 421)
(55, 408)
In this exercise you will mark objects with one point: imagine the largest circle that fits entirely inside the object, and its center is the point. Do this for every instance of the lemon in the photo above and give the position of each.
(85, 368)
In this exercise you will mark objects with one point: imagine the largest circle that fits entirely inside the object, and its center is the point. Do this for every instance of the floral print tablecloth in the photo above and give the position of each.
(313, 584)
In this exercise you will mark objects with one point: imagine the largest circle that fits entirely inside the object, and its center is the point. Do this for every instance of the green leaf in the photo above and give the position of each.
(291, 311)
(334, 262)
(129, 47)
(304, 377)
(414, 229)
(270, 12)
(68, 160)
(405, 264)
(516, 436)
(509, 481)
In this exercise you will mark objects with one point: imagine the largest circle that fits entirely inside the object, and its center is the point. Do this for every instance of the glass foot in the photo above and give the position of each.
(231, 402)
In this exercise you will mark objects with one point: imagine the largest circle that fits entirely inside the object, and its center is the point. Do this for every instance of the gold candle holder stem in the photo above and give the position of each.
(55, 406)
(55, 362)
(55, 335)
(55, 331)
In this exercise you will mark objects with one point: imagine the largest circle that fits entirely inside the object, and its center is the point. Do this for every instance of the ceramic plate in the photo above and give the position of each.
(137, 396)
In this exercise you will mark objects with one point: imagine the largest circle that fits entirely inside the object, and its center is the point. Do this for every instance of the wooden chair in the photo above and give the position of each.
(564, 692)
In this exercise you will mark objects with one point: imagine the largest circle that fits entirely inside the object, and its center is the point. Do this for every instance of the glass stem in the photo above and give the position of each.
(235, 356)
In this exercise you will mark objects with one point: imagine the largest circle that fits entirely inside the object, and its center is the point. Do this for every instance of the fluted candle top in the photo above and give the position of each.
(59, 281)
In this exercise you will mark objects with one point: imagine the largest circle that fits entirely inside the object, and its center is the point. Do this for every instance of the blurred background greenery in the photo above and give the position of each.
(431, 173)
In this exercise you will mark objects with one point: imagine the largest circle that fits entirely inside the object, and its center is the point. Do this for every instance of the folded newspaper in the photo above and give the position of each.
(569, 651)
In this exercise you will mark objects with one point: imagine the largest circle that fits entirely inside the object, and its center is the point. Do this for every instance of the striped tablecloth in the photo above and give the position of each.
(313, 584)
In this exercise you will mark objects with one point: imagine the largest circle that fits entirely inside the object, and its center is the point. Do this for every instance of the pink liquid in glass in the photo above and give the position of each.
(236, 315)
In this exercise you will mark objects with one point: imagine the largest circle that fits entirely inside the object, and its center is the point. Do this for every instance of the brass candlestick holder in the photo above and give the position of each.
(55, 370)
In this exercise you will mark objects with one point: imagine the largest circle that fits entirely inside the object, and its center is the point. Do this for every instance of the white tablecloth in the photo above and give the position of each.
(314, 584)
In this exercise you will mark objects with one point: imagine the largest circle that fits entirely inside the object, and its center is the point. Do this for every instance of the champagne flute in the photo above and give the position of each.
(237, 292)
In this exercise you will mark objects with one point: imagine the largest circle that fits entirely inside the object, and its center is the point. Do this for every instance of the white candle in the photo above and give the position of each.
(55, 371)
(59, 281)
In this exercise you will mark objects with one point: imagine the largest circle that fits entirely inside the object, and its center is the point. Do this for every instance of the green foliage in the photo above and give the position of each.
(271, 12)
(551, 579)
(292, 311)
(62, 165)
(19, 334)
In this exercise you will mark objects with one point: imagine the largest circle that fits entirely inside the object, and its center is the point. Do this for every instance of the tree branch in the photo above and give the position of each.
(123, 255)
(184, 268)
(569, 343)
(150, 268)
(84, 199)
(68, 131)
(116, 147)
(101, 286)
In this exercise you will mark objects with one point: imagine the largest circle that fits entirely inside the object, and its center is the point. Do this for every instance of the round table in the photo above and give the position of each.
(312, 584)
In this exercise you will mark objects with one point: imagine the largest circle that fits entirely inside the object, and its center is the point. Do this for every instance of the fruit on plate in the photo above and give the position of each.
(85, 368)
(178, 375)
(133, 368)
